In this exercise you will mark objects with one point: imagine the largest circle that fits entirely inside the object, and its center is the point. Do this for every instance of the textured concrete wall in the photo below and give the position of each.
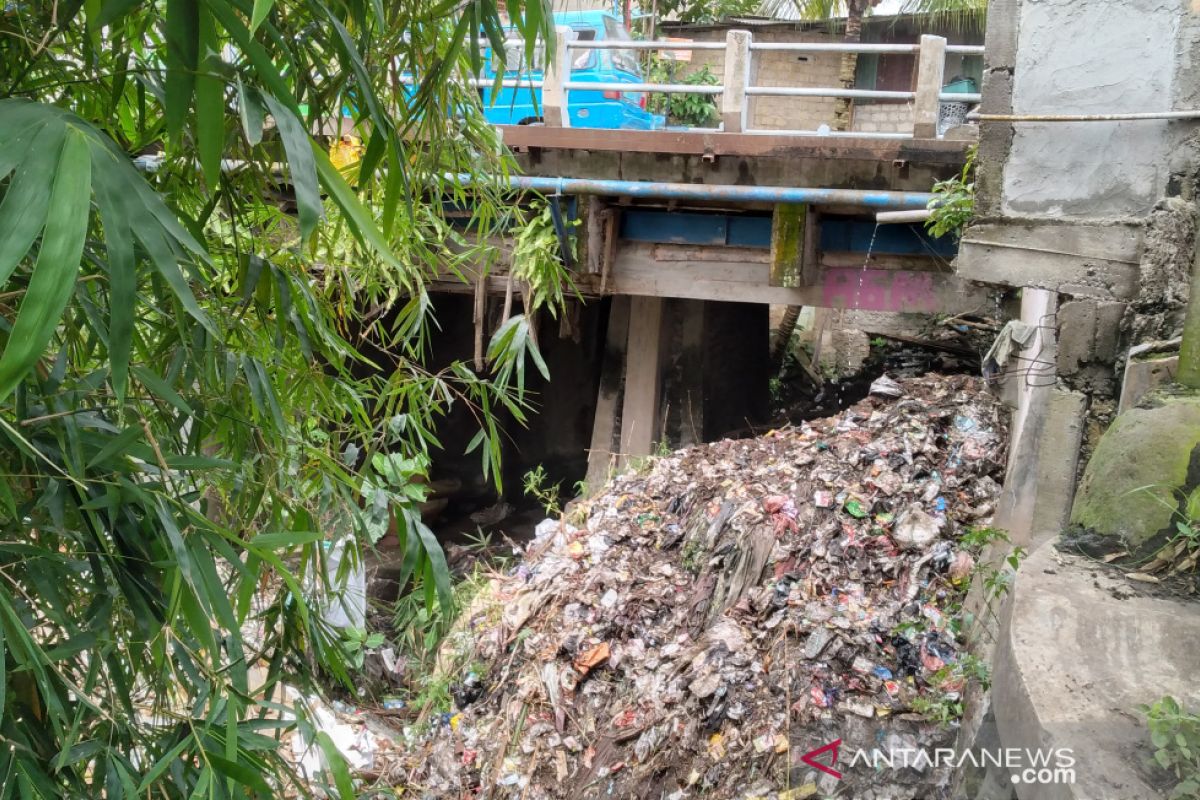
(1095, 57)
(883, 117)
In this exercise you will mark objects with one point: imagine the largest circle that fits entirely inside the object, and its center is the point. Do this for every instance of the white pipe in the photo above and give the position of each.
(1143, 115)
(806, 91)
(617, 44)
(661, 88)
(887, 217)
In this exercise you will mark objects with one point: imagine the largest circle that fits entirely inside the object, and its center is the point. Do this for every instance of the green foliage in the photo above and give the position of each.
(691, 110)
(185, 412)
(537, 260)
(537, 485)
(940, 708)
(1175, 734)
(976, 539)
(954, 203)
(1181, 553)
(356, 643)
(961, 15)
(707, 10)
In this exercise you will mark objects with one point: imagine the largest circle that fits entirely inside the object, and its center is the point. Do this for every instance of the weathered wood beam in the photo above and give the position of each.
(639, 412)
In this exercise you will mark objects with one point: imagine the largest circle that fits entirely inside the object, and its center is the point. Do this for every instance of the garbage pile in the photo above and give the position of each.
(726, 610)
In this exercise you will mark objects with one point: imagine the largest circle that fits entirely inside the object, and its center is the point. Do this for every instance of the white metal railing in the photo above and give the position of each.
(736, 87)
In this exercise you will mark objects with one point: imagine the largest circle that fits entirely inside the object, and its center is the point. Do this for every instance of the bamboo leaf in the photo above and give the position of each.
(210, 103)
(361, 221)
(299, 150)
(261, 9)
(23, 210)
(53, 278)
(182, 59)
(252, 112)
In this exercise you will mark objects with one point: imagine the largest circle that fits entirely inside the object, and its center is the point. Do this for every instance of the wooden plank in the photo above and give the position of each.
(788, 226)
(639, 413)
(605, 425)
(638, 272)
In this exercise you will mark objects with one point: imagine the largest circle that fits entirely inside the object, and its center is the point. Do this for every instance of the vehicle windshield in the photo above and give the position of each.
(514, 54)
(624, 60)
(514, 57)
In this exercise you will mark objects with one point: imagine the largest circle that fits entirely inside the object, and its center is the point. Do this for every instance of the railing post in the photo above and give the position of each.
(737, 77)
(929, 85)
(554, 95)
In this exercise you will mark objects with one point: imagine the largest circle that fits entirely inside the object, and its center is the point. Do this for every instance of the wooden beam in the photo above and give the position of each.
(640, 270)
(788, 238)
(602, 455)
(639, 412)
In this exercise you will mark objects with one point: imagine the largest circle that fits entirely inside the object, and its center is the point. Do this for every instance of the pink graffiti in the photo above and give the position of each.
(879, 290)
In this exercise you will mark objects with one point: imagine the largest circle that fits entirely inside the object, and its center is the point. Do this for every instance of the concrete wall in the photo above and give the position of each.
(1096, 57)
(885, 117)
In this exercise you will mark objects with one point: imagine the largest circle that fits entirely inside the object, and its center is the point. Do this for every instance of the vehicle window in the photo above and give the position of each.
(584, 59)
(624, 60)
(514, 57)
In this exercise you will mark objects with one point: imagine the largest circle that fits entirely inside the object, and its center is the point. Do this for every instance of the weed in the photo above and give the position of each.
(1181, 553)
(356, 643)
(537, 485)
(953, 204)
(975, 539)
(1175, 735)
(693, 557)
(942, 708)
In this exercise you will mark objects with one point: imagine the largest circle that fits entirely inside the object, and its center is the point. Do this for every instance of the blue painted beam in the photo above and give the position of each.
(855, 236)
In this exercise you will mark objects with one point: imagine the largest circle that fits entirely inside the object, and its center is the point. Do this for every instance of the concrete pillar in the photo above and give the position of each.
(1045, 435)
(930, 67)
(737, 78)
(558, 71)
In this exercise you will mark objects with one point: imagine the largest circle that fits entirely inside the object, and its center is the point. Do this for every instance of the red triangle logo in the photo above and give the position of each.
(810, 758)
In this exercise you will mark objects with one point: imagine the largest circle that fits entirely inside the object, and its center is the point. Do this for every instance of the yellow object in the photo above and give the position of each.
(347, 150)
(457, 718)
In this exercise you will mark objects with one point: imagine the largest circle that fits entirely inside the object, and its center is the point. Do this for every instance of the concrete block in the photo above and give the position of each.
(1143, 376)
(1083, 260)
(1001, 41)
(1078, 652)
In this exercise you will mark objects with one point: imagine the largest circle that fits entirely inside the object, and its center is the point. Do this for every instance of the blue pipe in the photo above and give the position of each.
(737, 194)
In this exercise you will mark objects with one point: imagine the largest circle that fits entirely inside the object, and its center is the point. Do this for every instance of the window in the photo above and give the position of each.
(513, 59)
(885, 72)
(624, 60)
(584, 59)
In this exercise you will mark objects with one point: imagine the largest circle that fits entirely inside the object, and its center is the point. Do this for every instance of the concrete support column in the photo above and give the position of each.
(930, 70)
(1047, 428)
(558, 71)
(737, 78)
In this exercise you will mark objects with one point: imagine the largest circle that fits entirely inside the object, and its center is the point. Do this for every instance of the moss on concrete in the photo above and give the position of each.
(1144, 463)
